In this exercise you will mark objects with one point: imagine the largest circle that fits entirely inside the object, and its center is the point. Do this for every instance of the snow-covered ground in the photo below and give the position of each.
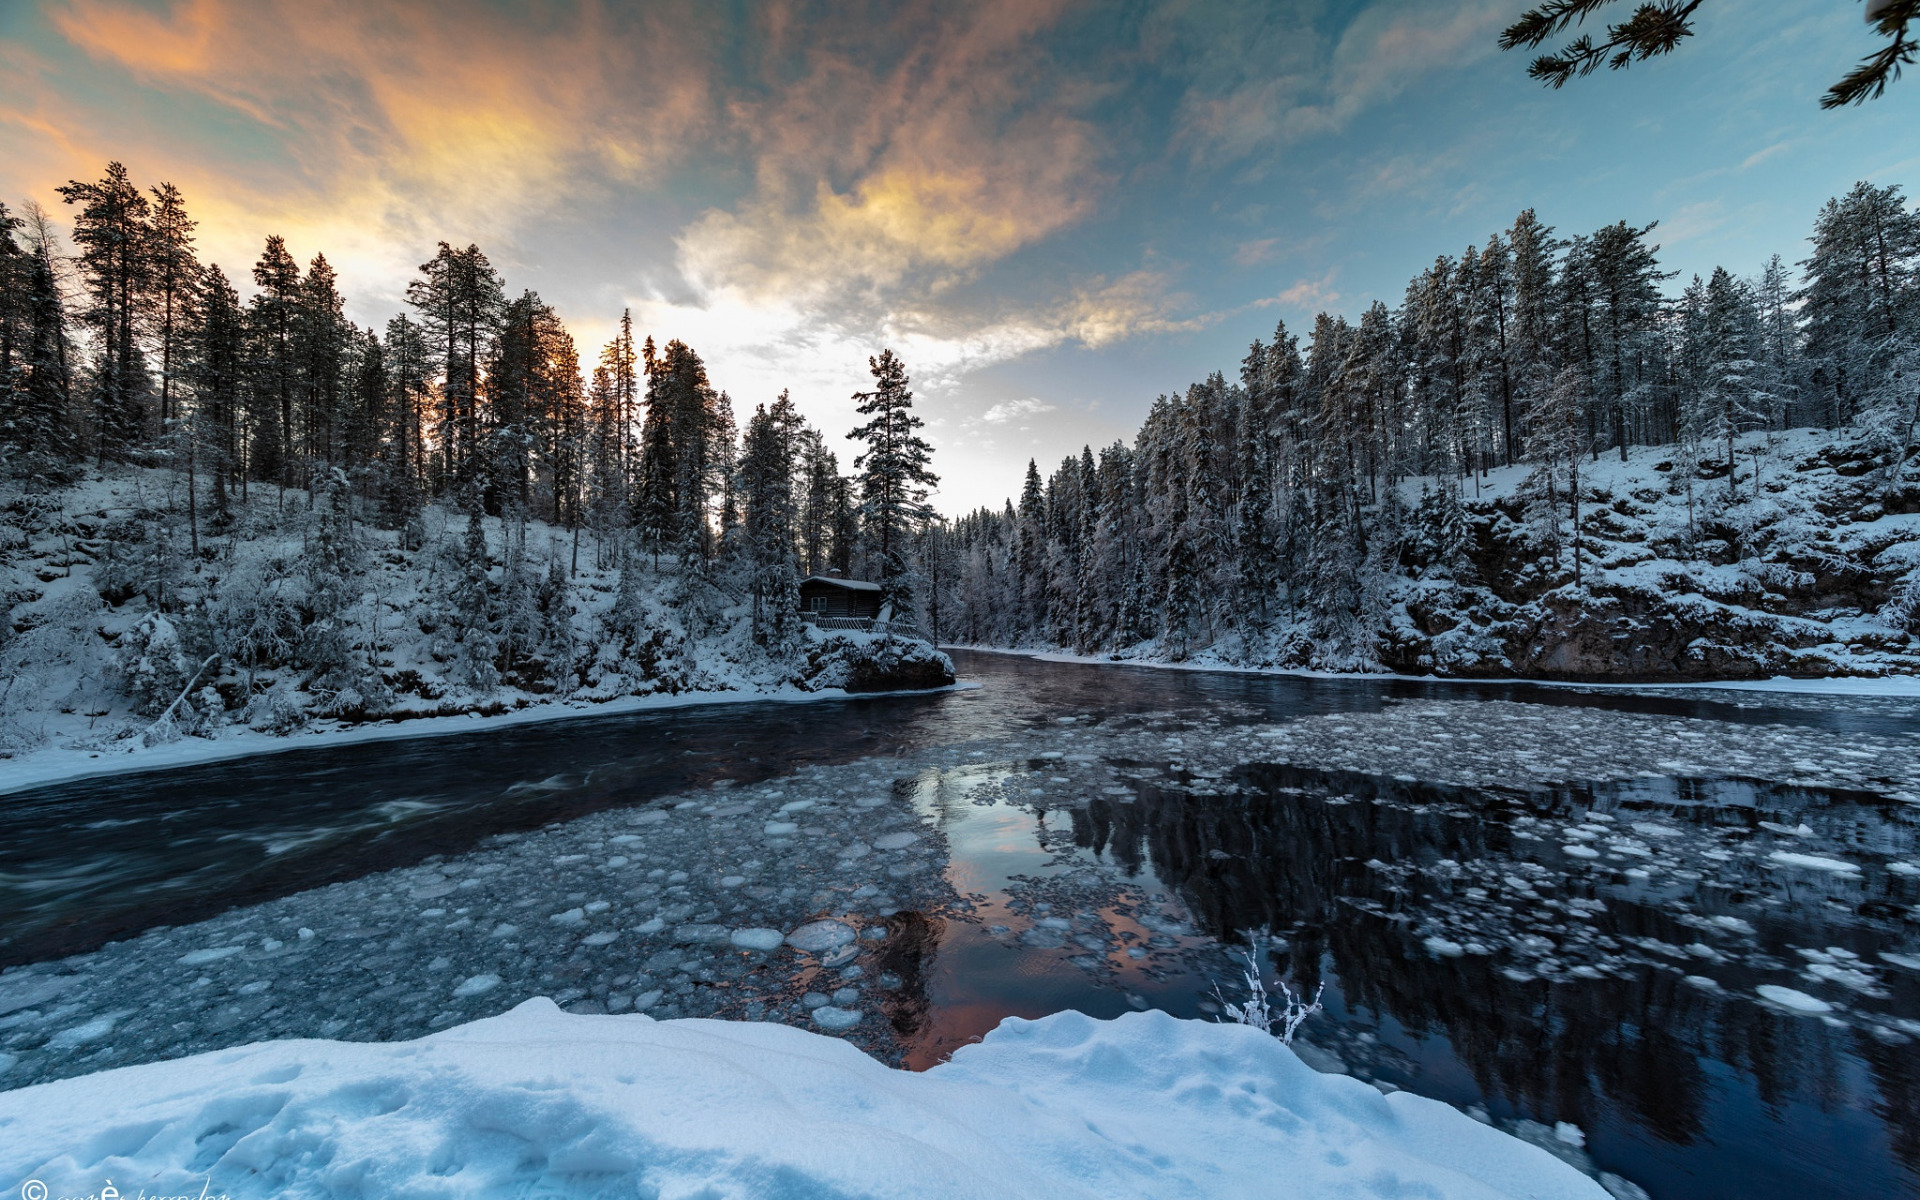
(537, 1102)
(1901, 686)
(88, 660)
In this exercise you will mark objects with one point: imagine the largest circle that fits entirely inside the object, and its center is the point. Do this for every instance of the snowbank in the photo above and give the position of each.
(539, 1103)
(1885, 686)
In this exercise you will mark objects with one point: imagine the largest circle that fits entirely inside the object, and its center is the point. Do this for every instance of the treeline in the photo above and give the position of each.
(132, 350)
(1264, 511)
(281, 514)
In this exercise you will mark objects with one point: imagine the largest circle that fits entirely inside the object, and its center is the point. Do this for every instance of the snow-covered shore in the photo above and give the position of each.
(1885, 686)
(537, 1102)
(62, 764)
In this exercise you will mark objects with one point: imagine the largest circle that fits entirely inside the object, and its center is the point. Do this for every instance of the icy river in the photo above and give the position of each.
(1670, 935)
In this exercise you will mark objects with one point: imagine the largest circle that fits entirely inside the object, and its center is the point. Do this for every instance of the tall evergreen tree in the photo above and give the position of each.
(895, 477)
(113, 232)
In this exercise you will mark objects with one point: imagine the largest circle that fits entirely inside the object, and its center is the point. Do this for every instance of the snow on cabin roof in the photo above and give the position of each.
(852, 585)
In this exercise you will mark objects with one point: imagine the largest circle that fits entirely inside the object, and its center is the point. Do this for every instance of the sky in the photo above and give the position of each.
(1052, 211)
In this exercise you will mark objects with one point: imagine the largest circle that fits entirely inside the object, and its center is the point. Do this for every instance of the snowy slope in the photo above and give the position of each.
(1805, 564)
(124, 649)
(537, 1102)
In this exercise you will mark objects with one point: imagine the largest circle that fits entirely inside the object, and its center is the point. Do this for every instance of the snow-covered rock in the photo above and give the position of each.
(539, 1102)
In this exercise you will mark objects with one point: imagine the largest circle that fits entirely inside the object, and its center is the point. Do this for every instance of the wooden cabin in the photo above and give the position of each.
(838, 597)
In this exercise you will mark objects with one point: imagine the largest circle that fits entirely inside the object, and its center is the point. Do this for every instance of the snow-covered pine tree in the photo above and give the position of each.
(272, 317)
(895, 477)
(408, 359)
(1734, 399)
(1558, 436)
(767, 456)
(469, 638)
(1861, 297)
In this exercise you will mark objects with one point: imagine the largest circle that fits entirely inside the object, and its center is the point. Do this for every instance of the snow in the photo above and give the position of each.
(540, 1102)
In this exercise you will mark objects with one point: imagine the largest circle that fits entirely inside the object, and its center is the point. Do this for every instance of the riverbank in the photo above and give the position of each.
(65, 764)
(1883, 686)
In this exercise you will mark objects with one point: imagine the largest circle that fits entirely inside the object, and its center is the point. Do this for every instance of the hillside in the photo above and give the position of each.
(1804, 567)
(302, 617)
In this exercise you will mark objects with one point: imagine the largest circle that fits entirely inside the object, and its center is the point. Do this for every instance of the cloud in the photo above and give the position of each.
(1253, 253)
(1008, 410)
(899, 161)
(365, 128)
(1305, 294)
(1277, 78)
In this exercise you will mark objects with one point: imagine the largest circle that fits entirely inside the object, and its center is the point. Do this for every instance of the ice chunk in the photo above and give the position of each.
(830, 1017)
(1442, 948)
(1579, 851)
(1812, 862)
(780, 828)
(895, 841)
(816, 937)
(1792, 1000)
(473, 985)
(80, 1035)
(572, 916)
(200, 958)
(757, 939)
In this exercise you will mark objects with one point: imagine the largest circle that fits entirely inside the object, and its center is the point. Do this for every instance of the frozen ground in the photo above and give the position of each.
(540, 1103)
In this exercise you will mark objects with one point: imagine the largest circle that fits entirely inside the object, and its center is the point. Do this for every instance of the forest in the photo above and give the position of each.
(1545, 461)
(283, 515)
(1434, 488)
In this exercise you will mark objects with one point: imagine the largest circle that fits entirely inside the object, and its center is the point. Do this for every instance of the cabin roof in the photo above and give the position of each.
(851, 585)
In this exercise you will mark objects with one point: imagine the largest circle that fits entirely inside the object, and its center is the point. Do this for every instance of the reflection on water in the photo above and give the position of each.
(1468, 957)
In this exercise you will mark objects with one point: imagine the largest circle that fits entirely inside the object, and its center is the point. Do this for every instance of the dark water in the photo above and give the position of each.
(1688, 1089)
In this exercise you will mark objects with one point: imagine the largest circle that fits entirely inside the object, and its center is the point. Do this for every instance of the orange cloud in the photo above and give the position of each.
(394, 125)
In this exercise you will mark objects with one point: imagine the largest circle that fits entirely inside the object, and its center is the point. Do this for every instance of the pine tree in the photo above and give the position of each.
(470, 604)
(768, 522)
(895, 477)
(1558, 435)
(321, 339)
(1860, 299)
(174, 276)
(408, 359)
(38, 432)
(272, 320)
(1735, 402)
(215, 378)
(113, 234)
(461, 300)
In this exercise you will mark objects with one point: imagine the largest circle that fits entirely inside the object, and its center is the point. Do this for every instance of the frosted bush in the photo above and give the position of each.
(1258, 1011)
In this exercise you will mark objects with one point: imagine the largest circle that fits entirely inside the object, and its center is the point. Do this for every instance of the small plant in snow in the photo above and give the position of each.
(1258, 1012)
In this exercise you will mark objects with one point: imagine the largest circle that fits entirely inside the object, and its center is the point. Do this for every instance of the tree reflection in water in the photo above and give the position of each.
(1617, 1002)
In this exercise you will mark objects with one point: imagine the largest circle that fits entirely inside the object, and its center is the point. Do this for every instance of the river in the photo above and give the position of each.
(1687, 959)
